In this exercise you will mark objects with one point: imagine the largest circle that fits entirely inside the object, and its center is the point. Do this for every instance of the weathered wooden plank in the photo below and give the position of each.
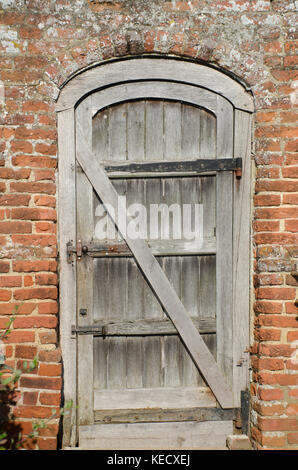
(152, 90)
(134, 362)
(195, 435)
(116, 363)
(117, 133)
(135, 130)
(144, 327)
(160, 284)
(85, 226)
(67, 291)
(151, 68)
(158, 248)
(167, 398)
(154, 130)
(100, 135)
(161, 415)
(207, 136)
(172, 130)
(224, 236)
(190, 131)
(241, 255)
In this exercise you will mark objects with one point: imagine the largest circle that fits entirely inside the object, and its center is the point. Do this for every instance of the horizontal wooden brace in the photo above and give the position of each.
(173, 168)
(143, 328)
(116, 248)
(164, 415)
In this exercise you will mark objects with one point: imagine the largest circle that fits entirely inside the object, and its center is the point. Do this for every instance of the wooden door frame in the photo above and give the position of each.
(110, 75)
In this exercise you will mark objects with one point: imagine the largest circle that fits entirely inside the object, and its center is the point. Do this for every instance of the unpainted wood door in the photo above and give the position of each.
(140, 370)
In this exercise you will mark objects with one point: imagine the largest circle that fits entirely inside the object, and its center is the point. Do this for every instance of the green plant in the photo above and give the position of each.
(10, 436)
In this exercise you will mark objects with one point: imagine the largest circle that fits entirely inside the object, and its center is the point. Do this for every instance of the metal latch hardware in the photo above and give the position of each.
(87, 330)
(79, 249)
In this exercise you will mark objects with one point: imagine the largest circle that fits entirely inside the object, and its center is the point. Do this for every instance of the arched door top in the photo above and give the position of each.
(145, 69)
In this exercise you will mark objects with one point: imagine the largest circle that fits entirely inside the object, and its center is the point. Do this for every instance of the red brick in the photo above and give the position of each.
(266, 394)
(292, 336)
(46, 279)
(34, 161)
(29, 32)
(30, 398)
(48, 308)
(33, 412)
(264, 334)
(47, 443)
(5, 295)
(281, 424)
(10, 281)
(36, 293)
(268, 307)
(267, 200)
(34, 266)
(30, 187)
(35, 322)
(50, 370)
(291, 226)
(4, 266)
(292, 438)
(47, 383)
(21, 146)
(48, 337)
(41, 175)
(49, 356)
(9, 173)
(50, 399)
(15, 227)
(14, 200)
(28, 213)
(21, 337)
(276, 293)
(45, 149)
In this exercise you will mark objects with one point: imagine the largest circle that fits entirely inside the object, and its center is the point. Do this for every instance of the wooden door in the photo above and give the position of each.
(138, 384)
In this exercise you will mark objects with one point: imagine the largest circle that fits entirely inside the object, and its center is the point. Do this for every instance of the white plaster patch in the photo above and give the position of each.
(245, 20)
(6, 3)
(294, 95)
(272, 20)
(8, 33)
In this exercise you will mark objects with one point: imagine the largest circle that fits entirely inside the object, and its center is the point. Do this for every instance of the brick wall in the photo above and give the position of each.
(44, 43)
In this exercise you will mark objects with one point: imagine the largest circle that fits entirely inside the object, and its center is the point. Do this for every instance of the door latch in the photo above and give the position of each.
(78, 250)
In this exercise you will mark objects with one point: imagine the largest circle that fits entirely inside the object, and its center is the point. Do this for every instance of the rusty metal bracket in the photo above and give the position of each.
(78, 250)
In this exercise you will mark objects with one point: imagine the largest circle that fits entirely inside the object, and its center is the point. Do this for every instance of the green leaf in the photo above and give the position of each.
(7, 380)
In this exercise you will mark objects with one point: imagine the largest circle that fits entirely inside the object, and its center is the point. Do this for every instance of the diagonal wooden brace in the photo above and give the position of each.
(156, 278)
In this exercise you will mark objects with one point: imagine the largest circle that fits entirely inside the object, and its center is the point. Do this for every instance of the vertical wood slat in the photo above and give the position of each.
(154, 130)
(85, 227)
(135, 130)
(241, 259)
(67, 279)
(224, 242)
(117, 132)
(172, 131)
(190, 132)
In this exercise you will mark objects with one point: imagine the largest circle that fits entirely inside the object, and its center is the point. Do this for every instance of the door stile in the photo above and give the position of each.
(67, 272)
(84, 198)
(242, 268)
(224, 242)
